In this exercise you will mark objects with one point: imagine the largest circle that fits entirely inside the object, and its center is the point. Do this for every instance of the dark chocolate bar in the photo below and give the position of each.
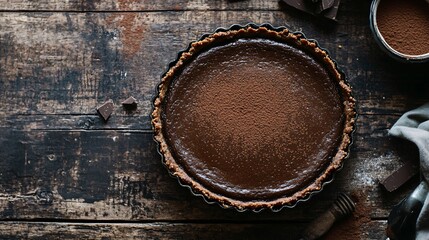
(106, 109)
(130, 103)
(324, 8)
(400, 176)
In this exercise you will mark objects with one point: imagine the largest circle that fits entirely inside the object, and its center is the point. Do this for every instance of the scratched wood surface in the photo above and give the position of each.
(64, 173)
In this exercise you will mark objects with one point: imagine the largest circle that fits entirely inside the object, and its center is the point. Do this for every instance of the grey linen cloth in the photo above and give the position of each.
(414, 126)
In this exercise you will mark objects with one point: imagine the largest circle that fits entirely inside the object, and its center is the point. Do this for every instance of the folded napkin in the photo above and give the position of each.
(414, 126)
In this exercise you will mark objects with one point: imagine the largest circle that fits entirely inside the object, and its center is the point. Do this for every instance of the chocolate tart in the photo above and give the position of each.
(254, 117)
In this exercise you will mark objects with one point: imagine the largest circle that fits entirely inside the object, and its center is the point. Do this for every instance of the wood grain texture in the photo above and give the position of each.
(160, 230)
(135, 5)
(60, 162)
(121, 176)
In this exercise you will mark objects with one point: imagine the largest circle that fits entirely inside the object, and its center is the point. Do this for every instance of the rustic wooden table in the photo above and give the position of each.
(64, 173)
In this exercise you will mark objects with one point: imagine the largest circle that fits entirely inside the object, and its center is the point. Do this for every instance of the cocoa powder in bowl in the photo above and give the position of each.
(404, 25)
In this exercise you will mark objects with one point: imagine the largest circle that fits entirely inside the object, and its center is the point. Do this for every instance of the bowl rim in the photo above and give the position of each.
(382, 43)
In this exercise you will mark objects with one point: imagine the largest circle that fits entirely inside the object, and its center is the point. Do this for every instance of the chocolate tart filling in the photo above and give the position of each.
(253, 118)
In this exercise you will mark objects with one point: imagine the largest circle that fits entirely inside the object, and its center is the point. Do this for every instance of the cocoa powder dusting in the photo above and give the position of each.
(200, 108)
(353, 226)
(254, 119)
(404, 25)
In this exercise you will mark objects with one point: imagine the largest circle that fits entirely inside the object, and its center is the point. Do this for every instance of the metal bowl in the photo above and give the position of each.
(402, 57)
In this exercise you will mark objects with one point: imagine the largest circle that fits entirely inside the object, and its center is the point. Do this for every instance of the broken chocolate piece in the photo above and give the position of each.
(106, 109)
(324, 8)
(331, 11)
(325, 4)
(400, 176)
(130, 103)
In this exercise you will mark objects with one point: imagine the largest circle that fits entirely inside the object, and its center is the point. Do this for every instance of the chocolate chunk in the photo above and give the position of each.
(324, 8)
(330, 12)
(106, 109)
(400, 176)
(130, 103)
(325, 4)
(303, 5)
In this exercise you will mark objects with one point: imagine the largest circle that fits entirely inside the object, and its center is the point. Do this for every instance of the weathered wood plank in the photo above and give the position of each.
(133, 5)
(118, 175)
(119, 120)
(159, 230)
(123, 54)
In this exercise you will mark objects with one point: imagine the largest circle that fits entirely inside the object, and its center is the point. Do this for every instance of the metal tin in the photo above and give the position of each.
(385, 46)
(274, 209)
